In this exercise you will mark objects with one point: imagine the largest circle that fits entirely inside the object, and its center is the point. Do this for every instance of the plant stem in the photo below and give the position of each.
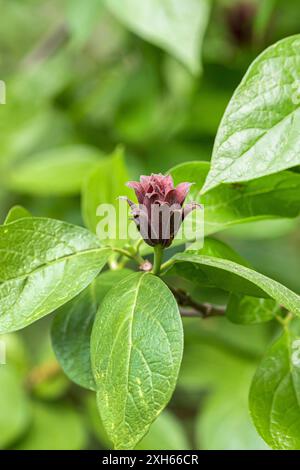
(167, 265)
(135, 256)
(195, 309)
(203, 311)
(158, 256)
(138, 258)
(286, 320)
(138, 244)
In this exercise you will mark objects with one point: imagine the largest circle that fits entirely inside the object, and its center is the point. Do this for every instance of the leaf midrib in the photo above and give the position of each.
(131, 317)
(53, 262)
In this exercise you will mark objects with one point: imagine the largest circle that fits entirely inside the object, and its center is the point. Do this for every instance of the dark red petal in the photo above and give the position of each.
(138, 189)
(181, 192)
(145, 182)
(169, 184)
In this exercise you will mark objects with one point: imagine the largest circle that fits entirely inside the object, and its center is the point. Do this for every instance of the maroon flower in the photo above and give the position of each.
(159, 212)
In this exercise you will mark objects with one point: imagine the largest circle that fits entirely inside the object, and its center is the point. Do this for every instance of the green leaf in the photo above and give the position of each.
(54, 427)
(248, 310)
(59, 171)
(217, 272)
(14, 406)
(136, 349)
(165, 433)
(104, 185)
(271, 196)
(259, 132)
(224, 422)
(274, 395)
(218, 249)
(43, 264)
(175, 26)
(72, 328)
(15, 213)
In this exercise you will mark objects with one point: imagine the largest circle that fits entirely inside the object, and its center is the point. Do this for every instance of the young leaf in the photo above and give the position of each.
(270, 196)
(59, 171)
(72, 328)
(136, 350)
(175, 26)
(248, 310)
(43, 264)
(259, 133)
(104, 185)
(274, 395)
(15, 213)
(217, 272)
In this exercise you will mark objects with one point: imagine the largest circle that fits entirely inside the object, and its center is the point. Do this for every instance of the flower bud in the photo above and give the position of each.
(159, 212)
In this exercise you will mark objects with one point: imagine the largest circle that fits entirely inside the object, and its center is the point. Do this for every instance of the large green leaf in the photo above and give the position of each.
(72, 328)
(104, 185)
(217, 272)
(136, 350)
(275, 394)
(247, 310)
(259, 133)
(270, 196)
(58, 171)
(177, 27)
(43, 264)
(165, 433)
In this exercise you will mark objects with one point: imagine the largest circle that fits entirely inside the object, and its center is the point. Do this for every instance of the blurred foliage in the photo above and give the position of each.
(78, 83)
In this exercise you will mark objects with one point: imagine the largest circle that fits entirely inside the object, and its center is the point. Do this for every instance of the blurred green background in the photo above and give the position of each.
(78, 83)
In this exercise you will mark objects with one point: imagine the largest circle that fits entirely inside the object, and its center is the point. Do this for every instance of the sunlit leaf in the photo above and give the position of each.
(43, 264)
(259, 132)
(227, 205)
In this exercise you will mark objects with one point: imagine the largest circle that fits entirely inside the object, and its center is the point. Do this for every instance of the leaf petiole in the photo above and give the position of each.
(134, 255)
